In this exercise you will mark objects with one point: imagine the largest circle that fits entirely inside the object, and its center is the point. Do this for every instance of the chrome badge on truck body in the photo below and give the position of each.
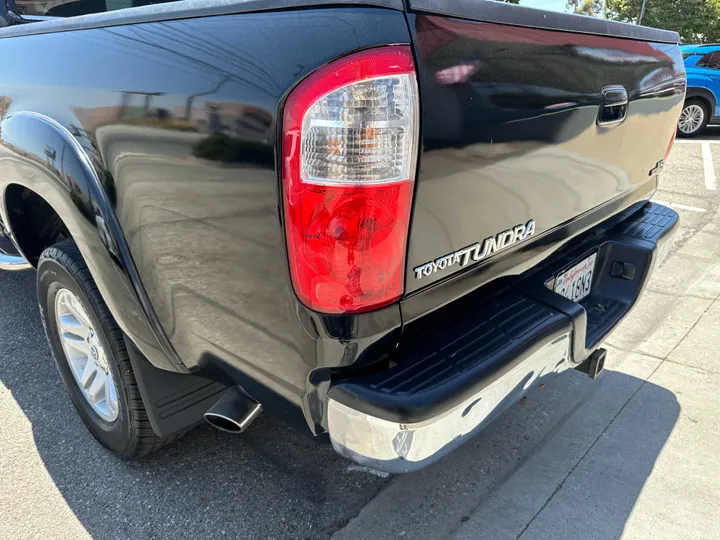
(478, 251)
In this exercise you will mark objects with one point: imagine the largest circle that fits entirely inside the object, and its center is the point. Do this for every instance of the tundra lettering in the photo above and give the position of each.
(490, 245)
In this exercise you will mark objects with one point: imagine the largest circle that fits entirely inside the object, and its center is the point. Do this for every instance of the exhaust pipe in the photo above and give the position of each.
(234, 412)
(595, 364)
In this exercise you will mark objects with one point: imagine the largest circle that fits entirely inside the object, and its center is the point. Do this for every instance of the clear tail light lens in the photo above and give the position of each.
(350, 137)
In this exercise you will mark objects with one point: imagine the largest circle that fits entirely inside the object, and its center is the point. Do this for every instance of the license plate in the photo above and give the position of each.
(575, 284)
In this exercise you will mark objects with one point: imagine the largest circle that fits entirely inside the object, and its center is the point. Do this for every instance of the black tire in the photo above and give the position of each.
(130, 435)
(706, 117)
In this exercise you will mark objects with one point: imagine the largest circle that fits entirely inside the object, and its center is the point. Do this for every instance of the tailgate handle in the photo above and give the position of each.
(613, 105)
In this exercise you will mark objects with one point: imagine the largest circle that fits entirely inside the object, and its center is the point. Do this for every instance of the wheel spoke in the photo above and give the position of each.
(76, 342)
(70, 323)
(97, 388)
(89, 370)
(110, 396)
(78, 311)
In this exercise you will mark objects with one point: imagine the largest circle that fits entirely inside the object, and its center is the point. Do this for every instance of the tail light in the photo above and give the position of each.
(350, 138)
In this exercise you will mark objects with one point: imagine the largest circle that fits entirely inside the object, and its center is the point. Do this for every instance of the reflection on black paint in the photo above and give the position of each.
(178, 121)
(228, 149)
(498, 74)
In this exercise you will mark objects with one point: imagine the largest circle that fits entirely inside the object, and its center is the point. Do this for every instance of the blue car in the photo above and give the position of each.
(702, 63)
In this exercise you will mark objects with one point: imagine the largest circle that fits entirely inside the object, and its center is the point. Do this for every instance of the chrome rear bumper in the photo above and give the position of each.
(395, 447)
(473, 360)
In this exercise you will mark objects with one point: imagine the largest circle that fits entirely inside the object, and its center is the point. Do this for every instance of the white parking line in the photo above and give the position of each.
(680, 206)
(710, 181)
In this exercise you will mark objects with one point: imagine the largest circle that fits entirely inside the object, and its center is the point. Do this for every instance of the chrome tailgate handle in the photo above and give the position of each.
(613, 105)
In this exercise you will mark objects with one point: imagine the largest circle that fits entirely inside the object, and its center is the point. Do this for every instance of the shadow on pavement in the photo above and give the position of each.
(591, 475)
(711, 133)
(569, 461)
(275, 482)
(596, 500)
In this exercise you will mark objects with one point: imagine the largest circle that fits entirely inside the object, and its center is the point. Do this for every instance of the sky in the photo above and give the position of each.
(550, 5)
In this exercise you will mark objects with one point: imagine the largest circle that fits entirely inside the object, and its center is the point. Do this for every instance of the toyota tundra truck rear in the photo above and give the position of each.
(382, 221)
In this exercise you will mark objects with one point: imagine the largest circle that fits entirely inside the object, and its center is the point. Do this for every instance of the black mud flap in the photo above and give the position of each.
(173, 401)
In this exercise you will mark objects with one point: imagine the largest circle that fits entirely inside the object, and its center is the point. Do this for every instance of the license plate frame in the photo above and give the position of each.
(575, 283)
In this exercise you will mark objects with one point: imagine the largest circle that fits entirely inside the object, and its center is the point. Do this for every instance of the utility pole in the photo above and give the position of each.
(642, 13)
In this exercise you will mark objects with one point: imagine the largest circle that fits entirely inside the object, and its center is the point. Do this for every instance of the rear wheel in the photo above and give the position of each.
(693, 118)
(91, 355)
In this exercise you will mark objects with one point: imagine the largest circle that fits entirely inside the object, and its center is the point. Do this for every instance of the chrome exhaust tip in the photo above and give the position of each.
(234, 412)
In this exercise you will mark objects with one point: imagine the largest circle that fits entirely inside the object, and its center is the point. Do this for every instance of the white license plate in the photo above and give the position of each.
(575, 284)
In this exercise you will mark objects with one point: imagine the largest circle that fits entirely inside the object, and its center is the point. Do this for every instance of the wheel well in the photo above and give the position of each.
(33, 222)
(704, 95)
(704, 100)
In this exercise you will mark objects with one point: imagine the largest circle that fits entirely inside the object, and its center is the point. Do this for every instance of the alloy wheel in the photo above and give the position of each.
(691, 119)
(86, 355)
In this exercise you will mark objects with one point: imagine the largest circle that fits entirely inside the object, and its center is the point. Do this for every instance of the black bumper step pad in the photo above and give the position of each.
(444, 368)
(650, 223)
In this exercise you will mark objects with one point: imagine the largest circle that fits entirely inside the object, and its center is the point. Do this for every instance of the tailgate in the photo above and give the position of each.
(526, 127)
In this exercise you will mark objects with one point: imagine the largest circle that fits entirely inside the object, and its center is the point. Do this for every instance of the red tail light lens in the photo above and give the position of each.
(350, 136)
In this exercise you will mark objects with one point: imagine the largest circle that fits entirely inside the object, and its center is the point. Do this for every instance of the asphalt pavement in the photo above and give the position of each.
(632, 455)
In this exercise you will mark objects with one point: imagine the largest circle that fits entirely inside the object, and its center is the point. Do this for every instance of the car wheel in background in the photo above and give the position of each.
(693, 118)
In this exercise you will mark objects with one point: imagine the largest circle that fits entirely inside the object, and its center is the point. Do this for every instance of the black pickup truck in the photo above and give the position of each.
(384, 220)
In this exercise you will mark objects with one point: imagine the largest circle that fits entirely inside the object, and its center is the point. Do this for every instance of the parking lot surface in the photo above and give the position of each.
(632, 455)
